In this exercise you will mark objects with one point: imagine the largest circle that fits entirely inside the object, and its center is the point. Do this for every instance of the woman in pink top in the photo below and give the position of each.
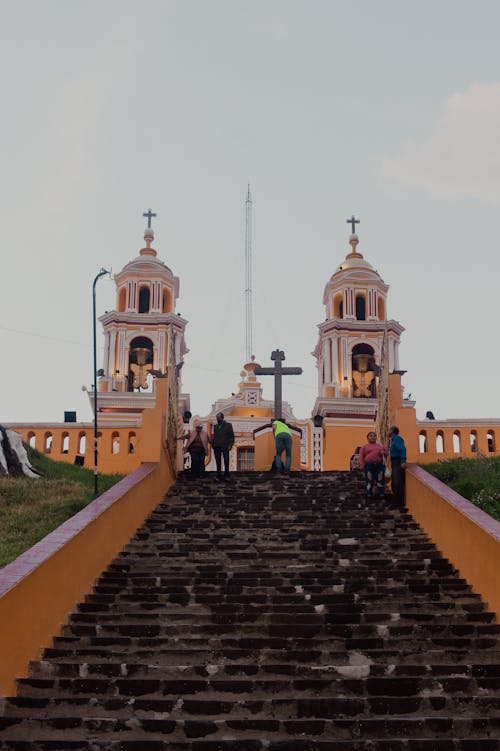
(371, 459)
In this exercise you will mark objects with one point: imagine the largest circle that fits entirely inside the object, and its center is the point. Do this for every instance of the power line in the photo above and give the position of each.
(36, 335)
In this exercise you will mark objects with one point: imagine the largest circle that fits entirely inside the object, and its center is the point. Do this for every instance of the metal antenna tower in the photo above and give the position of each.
(248, 275)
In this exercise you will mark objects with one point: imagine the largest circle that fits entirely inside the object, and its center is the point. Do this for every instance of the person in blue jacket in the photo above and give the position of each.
(397, 451)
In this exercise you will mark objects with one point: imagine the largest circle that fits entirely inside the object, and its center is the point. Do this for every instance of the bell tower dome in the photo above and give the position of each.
(144, 328)
(349, 348)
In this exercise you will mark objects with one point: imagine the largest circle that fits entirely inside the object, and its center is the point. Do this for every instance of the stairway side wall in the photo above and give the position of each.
(42, 586)
(464, 534)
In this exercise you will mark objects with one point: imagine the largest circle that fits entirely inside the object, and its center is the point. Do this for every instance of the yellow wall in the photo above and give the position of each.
(43, 585)
(464, 534)
(340, 442)
(431, 431)
(122, 462)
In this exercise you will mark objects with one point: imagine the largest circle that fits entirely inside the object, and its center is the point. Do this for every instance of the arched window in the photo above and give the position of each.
(31, 440)
(144, 296)
(439, 442)
(360, 308)
(115, 442)
(363, 371)
(457, 442)
(338, 306)
(490, 436)
(47, 443)
(473, 440)
(132, 441)
(82, 443)
(422, 442)
(65, 443)
(140, 362)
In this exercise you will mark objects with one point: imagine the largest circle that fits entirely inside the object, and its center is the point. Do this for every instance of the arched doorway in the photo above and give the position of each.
(363, 372)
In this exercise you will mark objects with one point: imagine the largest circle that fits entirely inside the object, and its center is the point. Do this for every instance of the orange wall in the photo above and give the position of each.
(122, 462)
(431, 455)
(43, 585)
(340, 442)
(464, 534)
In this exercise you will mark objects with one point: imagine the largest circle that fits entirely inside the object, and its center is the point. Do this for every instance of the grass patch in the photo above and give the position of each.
(478, 480)
(30, 509)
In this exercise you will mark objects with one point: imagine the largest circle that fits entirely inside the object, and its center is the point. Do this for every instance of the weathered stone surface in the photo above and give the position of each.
(269, 613)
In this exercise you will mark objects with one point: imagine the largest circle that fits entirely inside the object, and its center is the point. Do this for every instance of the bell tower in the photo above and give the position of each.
(144, 332)
(349, 348)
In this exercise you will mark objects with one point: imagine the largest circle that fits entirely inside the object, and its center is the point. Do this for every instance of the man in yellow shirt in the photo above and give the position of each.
(283, 440)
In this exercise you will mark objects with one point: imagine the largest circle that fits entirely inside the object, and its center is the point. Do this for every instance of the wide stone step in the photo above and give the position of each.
(336, 707)
(71, 649)
(64, 728)
(324, 611)
(363, 667)
(118, 685)
(477, 743)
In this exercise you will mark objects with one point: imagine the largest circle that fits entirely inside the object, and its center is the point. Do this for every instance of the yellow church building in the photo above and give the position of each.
(358, 369)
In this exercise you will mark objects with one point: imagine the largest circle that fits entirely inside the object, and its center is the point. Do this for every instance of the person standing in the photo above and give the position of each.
(222, 441)
(197, 447)
(397, 451)
(371, 459)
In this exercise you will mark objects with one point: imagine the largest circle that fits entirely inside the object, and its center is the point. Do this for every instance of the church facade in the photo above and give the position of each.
(358, 369)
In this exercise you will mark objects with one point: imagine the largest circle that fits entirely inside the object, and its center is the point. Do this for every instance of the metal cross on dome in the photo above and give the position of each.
(149, 215)
(353, 221)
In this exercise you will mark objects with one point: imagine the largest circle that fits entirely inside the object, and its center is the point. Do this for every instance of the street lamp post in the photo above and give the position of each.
(102, 272)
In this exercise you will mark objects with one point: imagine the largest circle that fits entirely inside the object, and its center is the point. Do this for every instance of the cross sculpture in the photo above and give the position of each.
(278, 371)
(353, 221)
(149, 214)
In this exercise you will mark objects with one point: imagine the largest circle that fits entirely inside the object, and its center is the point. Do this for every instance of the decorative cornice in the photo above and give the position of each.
(358, 408)
(143, 319)
(123, 400)
(368, 326)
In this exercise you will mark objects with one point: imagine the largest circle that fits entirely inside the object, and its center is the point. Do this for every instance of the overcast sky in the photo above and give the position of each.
(388, 109)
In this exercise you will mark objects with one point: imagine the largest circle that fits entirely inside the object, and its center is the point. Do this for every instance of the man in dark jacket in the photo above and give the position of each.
(222, 441)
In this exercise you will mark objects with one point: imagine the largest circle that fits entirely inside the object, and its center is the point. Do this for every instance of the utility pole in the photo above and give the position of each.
(248, 276)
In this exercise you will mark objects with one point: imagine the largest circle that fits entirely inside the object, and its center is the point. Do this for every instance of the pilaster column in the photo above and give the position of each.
(327, 361)
(122, 355)
(335, 357)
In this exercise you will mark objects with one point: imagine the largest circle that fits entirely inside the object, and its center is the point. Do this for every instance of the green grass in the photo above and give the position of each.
(30, 509)
(478, 480)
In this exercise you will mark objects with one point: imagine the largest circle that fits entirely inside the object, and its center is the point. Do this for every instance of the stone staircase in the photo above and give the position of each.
(286, 614)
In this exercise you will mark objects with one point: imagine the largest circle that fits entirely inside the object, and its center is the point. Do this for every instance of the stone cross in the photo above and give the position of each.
(278, 371)
(352, 221)
(149, 214)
